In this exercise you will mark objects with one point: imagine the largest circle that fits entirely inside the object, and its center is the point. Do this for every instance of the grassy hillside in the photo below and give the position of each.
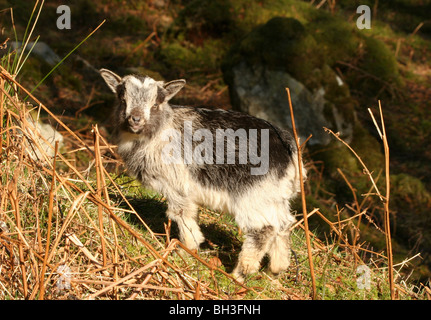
(83, 214)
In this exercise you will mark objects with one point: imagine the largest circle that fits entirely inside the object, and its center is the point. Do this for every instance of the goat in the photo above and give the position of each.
(172, 149)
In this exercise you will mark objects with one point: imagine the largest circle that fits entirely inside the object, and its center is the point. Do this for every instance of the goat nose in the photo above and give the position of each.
(136, 119)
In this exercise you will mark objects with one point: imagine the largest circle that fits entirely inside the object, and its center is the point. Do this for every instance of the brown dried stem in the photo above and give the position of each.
(304, 204)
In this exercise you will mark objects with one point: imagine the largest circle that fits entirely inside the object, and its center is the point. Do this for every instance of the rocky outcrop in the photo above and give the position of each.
(279, 55)
(262, 93)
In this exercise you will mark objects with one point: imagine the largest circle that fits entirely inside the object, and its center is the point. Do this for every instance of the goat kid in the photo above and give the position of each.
(153, 137)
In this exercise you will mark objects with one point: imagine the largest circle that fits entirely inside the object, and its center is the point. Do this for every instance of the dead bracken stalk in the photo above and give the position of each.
(99, 180)
(304, 205)
(367, 172)
(383, 136)
(385, 199)
(48, 237)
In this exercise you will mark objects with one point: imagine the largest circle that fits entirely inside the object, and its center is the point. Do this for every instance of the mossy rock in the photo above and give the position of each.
(368, 148)
(410, 191)
(410, 204)
(379, 61)
(372, 69)
(335, 155)
(337, 95)
(306, 52)
(182, 56)
(280, 45)
(367, 62)
(285, 46)
(326, 77)
(338, 39)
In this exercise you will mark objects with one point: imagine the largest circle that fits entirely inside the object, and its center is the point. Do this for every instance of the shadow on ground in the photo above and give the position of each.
(220, 242)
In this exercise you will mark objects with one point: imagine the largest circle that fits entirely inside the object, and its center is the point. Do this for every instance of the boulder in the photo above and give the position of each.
(262, 93)
(282, 54)
(42, 139)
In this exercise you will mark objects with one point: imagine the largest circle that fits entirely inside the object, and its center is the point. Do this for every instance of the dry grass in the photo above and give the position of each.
(68, 231)
(60, 230)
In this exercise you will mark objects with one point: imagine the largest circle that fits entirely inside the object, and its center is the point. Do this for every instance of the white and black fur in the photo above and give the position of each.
(259, 203)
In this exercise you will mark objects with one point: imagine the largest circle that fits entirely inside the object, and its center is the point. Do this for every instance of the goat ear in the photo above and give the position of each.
(111, 79)
(173, 87)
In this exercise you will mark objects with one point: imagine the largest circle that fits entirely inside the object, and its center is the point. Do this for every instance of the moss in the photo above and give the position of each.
(336, 155)
(175, 53)
(374, 64)
(281, 44)
(368, 148)
(403, 15)
(250, 14)
(337, 95)
(410, 204)
(181, 57)
(380, 61)
(337, 38)
(374, 70)
(128, 24)
(33, 71)
(410, 190)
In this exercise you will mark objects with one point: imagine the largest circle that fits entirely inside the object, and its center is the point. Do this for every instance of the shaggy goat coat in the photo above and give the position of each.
(190, 155)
